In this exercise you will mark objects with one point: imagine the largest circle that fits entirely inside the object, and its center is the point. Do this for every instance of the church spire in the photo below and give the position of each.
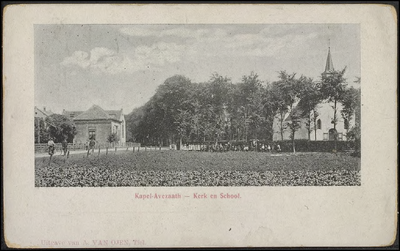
(329, 62)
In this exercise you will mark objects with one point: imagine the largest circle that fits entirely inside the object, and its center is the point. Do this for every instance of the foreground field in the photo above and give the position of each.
(182, 168)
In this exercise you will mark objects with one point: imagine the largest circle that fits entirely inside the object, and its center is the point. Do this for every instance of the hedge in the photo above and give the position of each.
(315, 146)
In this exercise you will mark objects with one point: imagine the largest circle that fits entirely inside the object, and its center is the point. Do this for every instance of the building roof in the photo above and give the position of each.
(42, 112)
(71, 114)
(114, 114)
(94, 113)
(329, 62)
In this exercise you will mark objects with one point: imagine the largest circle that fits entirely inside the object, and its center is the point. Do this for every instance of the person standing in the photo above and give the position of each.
(65, 146)
(51, 148)
(92, 144)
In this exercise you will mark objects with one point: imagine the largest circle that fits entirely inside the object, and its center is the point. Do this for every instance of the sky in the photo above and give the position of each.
(121, 66)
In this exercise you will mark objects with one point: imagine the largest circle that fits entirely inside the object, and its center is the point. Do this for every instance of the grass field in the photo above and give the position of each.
(183, 168)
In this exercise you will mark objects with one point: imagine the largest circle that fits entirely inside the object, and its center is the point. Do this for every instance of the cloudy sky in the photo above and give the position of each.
(120, 66)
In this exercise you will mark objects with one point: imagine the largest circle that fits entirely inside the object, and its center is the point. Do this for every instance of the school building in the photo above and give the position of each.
(98, 123)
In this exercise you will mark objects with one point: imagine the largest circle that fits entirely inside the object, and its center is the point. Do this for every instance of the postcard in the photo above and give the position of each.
(195, 125)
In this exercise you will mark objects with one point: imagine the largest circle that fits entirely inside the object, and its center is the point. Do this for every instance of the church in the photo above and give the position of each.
(322, 128)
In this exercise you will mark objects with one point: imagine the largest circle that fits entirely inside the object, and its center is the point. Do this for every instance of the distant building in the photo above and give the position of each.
(98, 123)
(40, 124)
(42, 113)
(323, 128)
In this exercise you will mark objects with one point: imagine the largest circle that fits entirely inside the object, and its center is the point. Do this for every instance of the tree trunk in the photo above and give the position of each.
(39, 131)
(180, 143)
(309, 127)
(293, 146)
(281, 129)
(315, 127)
(334, 126)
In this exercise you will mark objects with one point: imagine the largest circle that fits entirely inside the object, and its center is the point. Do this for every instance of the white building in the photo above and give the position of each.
(323, 128)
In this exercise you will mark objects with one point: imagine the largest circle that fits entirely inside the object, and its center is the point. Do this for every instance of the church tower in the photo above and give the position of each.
(329, 63)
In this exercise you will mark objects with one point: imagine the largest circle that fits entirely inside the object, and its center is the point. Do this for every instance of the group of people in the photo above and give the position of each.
(269, 148)
(51, 146)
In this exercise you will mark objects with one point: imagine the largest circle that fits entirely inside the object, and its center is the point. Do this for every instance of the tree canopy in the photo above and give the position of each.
(60, 127)
(183, 111)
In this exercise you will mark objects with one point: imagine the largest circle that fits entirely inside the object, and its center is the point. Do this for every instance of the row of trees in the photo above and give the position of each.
(221, 110)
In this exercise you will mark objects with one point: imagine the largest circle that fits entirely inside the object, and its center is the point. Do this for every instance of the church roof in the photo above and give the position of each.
(94, 113)
(329, 62)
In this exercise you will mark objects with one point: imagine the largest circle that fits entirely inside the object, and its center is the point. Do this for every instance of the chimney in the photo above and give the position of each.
(44, 108)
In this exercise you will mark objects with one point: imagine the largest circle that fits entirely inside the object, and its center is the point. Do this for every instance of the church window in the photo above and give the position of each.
(319, 124)
(346, 124)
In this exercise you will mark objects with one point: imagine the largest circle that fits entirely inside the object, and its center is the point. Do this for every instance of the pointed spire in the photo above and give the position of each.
(329, 62)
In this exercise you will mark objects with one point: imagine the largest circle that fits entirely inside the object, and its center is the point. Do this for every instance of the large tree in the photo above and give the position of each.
(288, 87)
(60, 127)
(350, 101)
(41, 133)
(355, 132)
(333, 87)
(162, 118)
(250, 101)
(292, 91)
(277, 105)
(132, 122)
(216, 107)
(310, 97)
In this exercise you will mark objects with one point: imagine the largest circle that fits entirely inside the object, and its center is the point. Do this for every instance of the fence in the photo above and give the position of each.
(83, 146)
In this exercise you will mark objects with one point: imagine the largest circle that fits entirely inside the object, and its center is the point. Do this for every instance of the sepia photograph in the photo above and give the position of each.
(197, 105)
(199, 125)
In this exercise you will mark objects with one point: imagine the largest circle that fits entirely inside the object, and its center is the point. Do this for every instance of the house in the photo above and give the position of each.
(98, 123)
(40, 124)
(321, 126)
(42, 113)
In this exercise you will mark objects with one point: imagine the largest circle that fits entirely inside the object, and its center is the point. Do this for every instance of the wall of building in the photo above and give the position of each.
(103, 130)
(121, 132)
(123, 129)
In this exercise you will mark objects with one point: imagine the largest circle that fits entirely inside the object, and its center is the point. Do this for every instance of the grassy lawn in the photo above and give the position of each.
(182, 168)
